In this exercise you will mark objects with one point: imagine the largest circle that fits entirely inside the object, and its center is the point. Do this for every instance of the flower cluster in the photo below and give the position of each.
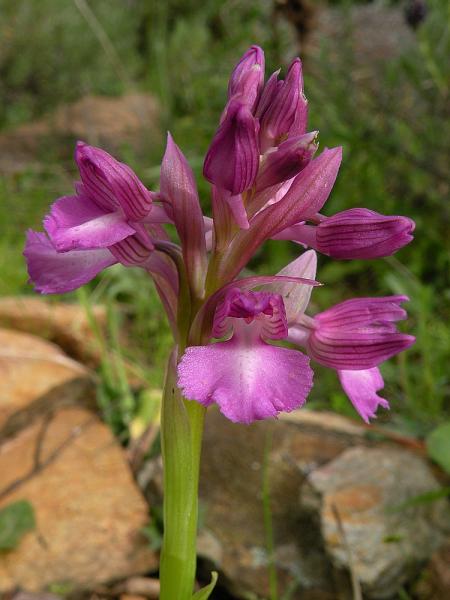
(266, 184)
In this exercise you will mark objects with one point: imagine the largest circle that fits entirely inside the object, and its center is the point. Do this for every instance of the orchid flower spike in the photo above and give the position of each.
(267, 183)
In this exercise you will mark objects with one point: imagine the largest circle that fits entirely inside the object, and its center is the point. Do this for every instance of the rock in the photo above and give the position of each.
(231, 499)
(209, 547)
(89, 513)
(30, 596)
(358, 496)
(375, 33)
(64, 324)
(36, 376)
(147, 587)
(100, 120)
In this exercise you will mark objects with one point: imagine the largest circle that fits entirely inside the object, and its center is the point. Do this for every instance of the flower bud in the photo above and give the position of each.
(287, 160)
(358, 334)
(247, 79)
(110, 183)
(286, 113)
(362, 233)
(268, 94)
(232, 160)
(357, 233)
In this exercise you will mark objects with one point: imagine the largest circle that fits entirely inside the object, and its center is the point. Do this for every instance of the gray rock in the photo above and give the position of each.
(232, 505)
(365, 522)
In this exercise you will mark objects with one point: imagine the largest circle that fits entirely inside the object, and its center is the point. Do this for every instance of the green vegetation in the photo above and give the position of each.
(391, 117)
(15, 520)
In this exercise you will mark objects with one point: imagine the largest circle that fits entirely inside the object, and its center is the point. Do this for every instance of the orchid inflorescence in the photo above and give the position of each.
(266, 184)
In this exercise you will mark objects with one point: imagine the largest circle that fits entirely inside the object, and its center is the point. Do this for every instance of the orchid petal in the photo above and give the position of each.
(247, 78)
(179, 188)
(135, 250)
(112, 184)
(264, 309)
(268, 94)
(77, 223)
(232, 160)
(296, 297)
(286, 112)
(362, 387)
(305, 197)
(248, 383)
(358, 334)
(362, 233)
(206, 313)
(55, 273)
(357, 233)
(285, 162)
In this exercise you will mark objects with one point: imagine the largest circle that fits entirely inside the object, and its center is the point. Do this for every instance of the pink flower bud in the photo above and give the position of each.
(358, 334)
(363, 233)
(287, 160)
(247, 79)
(357, 233)
(110, 183)
(233, 157)
(286, 113)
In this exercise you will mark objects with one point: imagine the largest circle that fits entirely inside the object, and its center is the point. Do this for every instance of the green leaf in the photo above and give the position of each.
(205, 592)
(425, 498)
(15, 520)
(438, 445)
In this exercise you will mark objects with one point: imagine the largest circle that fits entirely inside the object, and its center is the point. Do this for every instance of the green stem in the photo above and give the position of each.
(181, 434)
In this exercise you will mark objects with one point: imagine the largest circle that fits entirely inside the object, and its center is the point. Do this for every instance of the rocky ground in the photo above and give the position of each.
(342, 494)
(99, 120)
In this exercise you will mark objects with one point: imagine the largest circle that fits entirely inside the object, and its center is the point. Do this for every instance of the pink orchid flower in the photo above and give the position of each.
(267, 183)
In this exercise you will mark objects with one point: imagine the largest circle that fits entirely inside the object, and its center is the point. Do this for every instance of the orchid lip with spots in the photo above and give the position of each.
(268, 181)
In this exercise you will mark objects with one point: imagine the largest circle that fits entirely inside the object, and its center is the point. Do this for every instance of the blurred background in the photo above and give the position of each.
(118, 74)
